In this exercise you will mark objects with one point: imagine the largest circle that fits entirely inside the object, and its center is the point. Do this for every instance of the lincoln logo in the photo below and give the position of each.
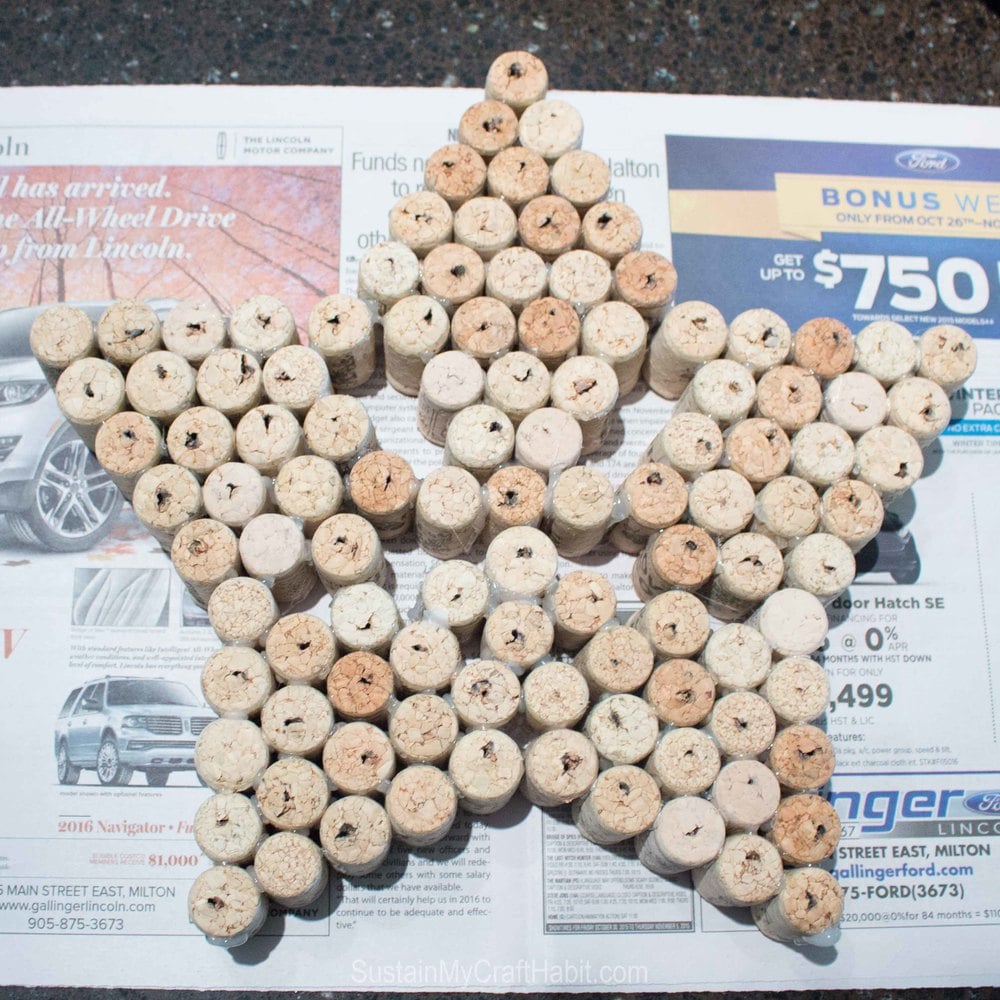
(8, 147)
(927, 161)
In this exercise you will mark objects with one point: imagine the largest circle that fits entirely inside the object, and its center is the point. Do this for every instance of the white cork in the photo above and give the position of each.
(388, 273)
(886, 351)
(822, 454)
(787, 508)
(230, 755)
(165, 498)
(486, 768)
(517, 175)
(421, 220)
(920, 407)
(360, 686)
(235, 493)
(746, 794)
(798, 690)
(483, 328)
(690, 335)
(855, 401)
(273, 548)
(722, 389)
(517, 78)
(480, 439)
(549, 328)
(743, 725)
(309, 488)
(556, 696)
(161, 385)
(617, 660)
(415, 329)
(126, 331)
(806, 830)
(582, 506)
(646, 280)
(823, 346)
(853, 511)
(947, 356)
(809, 902)
(737, 657)
(582, 178)
(338, 428)
(236, 681)
(548, 441)
(486, 695)
(450, 512)
(889, 460)
(204, 553)
(424, 657)
(364, 617)
(262, 324)
(549, 225)
(193, 330)
(293, 794)
(721, 502)
(790, 396)
(521, 562)
(616, 333)
(559, 767)
(297, 719)
(228, 828)
(685, 761)
(301, 649)
(622, 803)
(90, 391)
(383, 489)
(295, 377)
(457, 592)
(518, 384)
(581, 278)
(690, 443)
(793, 621)
(518, 634)
(268, 436)
(230, 380)
(241, 610)
(747, 871)
(59, 336)
(290, 869)
(611, 229)
(802, 758)
(750, 569)
(201, 439)
(450, 382)
(581, 603)
(587, 389)
(358, 759)
(356, 835)
(675, 623)
(453, 273)
(623, 728)
(682, 557)
(226, 906)
(516, 276)
(515, 495)
(821, 564)
(688, 833)
(340, 330)
(550, 128)
(485, 225)
(488, 127)
(422, 804)
(681, 692)
(759, 339)
(758, 449)
(456, 172)
(127, 445)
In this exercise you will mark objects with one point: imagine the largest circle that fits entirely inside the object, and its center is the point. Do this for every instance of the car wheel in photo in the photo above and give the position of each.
(65, 771)
(157, 777)
(110, 769)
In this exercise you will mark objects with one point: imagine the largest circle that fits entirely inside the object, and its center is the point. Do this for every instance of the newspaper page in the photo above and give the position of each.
(809, 208)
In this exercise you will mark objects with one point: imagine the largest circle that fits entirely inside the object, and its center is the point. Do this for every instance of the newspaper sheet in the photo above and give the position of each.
(809, 208)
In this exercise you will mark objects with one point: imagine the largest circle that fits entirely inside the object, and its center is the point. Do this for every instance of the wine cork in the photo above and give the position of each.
(587, 389)
(231, 381)
(201, 439)
(424, 657)
(581, 278)
(449, 512)
(802, 758)
(550, 128)
(743, 725)
(486, 768)
(679, 558)
(488, 127)
(517, 78)
(617, 660)
(687, 833)
(549, 441)
(483, 328)
(457, 592)
(750, 569)
(230, 755)
(59, 336)
(582, 178)
(675, 623)
(241, 610)
(204, 553)
(295, 377)
(823, 346)
(759, 339)
(821, 564)
(790, 396)
(450, 382)
(690, 335)
(611, 229)
(556, 696)
(387, 274)
(518, 634)
(549, 225)
(235, 493)
(622, 803)
(127, 445)
(517, 384)
(453, 273)
(616, 333)
(549, 328)
(273, 548)
(480, 439)
(290, 869)
(886, 351)
(360, 686)
(580, 604)
(787, 508)
(415, 329)
(422, 805)
(165, 498)
(747, 871)
(227, 828)
(855, 401)
(293, 794)
(746, 794)
(947, 356)
(515, 495)
(359, 759)
(267, 437)
(296, 719)
(684, 762)
(160, 385)
(559, 767)
(646, 280)
(853, 511)
(193, 330)
(309, 488)
(521, 562)
(261, 325)
(798, 690)
(517, 175)
(792, 621)
(455, 172)
(301, 649)
(690, 443)
(364, 617)
(486, 226)
(920, 407)
(421, 220)
(516, 276)
(356, 835)
(339, 429)
(723, 390)
(721, 502)
(758, 449)
(805, 830)
(737, 657)
(809, 902)
(340, 331)
(622, 727)
(226, 906)
(383, 489)
(486, 695)
(127, 330)
(822, 454)
(889, 460)
(89, 392)
(582, 505)
(681, 692)
(236, 681)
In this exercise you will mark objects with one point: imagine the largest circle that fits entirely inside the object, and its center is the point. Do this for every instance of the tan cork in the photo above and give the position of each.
(681, 692)
(228, 828)
(516, 276)
(823, 346)
(268, 436)
(556, 696)
(798, 690)
(646, 280)
(855, 401)
(758, 449)
(59, 336)
(622, 803)
(451, 381)
(688, 833)
(743, 725)
(204, 553)
(449, 512)
(517, 175)
(622, 727)
(737, 657)
(453, 273)
(165, 498)
(655, 497)
(580, 277)
(611, 229)
(127, 445)
(887, 351)
(193, 330)
(356, 835)
(521, 562)
(230, 755)
(424, 657)
(549, 328)
(383, 489)
(551, 128)
(480, 439)
(486, 694)
(559, 767)
(161, 385)
(690, 443)
(230, 380)
(806, 829)
(364, 617)
(236, 681)
(421, 220)
(517, 78)
(484, 328)
(822, 454)
(360, 686)
(456, 592)
(919, 407)
(746, 794)
(301, 649)
(422, 804)
(518, 384)
(293, 794)
(456, 172)
(722, 389)
(388, 273)
(587, 389)
(273, 548)
(582, 178)
(201, 439)
(262, 324)
(802, 758)
(675, 623)
(809, 902)
(415, 329)
(793, 621)
(685, 761)
(486, 768)
(90, 391)
(515, 495)
(889, 460)
(235, 493)
(518, 634)
(358, 759)
(616, 333)
(947, 356)
(296, 719)
(721, 502)
(225, 905)
(488, 127)
(821, 564)
(241, 610)
(750, 569)
(790, 396)
(853, 511)
(309, 488)
(295, 377)
(485, 225)
(338, 428)
(759, 339)
(582, 505)
(682, 557)
(617, 659)
(787, 508)
(549, 225)
(691, 334)
(126, 331)
(340, 329)
(580, 604)
(747, 871)
(290, 869)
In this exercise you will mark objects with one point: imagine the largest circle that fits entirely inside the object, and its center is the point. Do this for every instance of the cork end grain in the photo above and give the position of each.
(793, 621)
(656, 495)
(690, 442)
(822, 454)
(296, 719)
(422, 805)
(746, 794)
(488, 127)
(424, 656)
(551, 128)
(722, 502)
(241, 610)
(738, 657)
(802, 757)
(556, 696)
(453, 273)
(423, 729)
(810, 901)
(60, 335)
(948, 356)
(310, 488)
(515, 496)
(517, 175)
(422, 220)
(355, 834)
(364, 617)
(798, 690)
(852, 510)
(128, 443)
(790, 396)
(193, 330)
(617, 659)
(623, 728)
(225, 904)
(920, 407)
(486, 225)
(518, 383)
(517, 78)
(760, 339)
(806, 829)
(517, 633)
(582, 602)
(387, 273)
(521, 561)
(228, 828)
(823, 346)
(611, 229)
(688, 832)
(236, 681)
(581, 177)
(459, 591)
(788, 507)
(580, 277)
(160, 384)
(382, 483)
(675, 623)
(646, 280)
(359, 686)
(127, 330)
(90, 390)
(262, 324)
(516, 276)
(290, 869)
(559, 767)
(747, 871)
(267, 436)
(293, 794)
(201, 439)
(682, 556)
(234, 493)
(230, 755)
(758, 449)
(486, 693)
(230, 380)
(484, 328)
(205, 553)
(456, 172)
(358, 758)
(685, 762)
(582, 499)
(486, 768)
(296, 376)
(550, 329)
(166, 497)
(681, 692)
(300, 648)
(887, 351)
(549, 225)
(623, 802)
(272, 545)
(743, 724)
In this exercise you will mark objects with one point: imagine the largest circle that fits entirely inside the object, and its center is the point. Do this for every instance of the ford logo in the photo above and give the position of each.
(983, 802)
(927, 161)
